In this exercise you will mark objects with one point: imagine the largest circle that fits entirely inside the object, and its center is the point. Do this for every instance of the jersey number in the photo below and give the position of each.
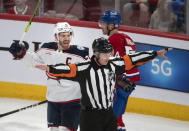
(129, 50)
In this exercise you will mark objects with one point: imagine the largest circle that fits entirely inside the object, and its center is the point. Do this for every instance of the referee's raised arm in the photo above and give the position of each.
(140, 58)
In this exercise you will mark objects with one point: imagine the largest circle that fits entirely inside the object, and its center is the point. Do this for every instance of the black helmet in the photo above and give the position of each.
(102, 45)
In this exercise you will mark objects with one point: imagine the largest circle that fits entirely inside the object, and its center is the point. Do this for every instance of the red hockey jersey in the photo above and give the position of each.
(123, 44)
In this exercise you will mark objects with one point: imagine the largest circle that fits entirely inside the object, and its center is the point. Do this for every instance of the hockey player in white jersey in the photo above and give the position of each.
(63, 95)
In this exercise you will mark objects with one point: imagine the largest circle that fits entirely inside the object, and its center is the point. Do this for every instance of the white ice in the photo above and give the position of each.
(34, 119)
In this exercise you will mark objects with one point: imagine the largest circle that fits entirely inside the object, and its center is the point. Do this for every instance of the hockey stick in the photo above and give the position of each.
(23, 108)
(29, 22)
(4, 48)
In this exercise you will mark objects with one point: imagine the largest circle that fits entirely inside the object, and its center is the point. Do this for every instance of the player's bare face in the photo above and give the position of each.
(103, 58)
(64, 39)
(103, 26)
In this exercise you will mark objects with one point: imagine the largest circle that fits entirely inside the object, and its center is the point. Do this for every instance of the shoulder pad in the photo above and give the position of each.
(50, 45)
(81, 50)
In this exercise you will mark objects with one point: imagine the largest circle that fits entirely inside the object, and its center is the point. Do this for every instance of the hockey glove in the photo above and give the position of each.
(125, 83)
(18, 51)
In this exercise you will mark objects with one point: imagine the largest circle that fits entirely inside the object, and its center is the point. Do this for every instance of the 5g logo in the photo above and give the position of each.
(163, 67)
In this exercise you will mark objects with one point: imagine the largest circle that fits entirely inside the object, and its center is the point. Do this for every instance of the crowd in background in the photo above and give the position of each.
(165, 15)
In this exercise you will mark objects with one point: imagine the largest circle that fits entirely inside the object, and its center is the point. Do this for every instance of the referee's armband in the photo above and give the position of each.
(63, 70)
(128, 63)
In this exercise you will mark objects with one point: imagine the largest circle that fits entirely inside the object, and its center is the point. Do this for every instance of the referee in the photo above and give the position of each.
(97, 81)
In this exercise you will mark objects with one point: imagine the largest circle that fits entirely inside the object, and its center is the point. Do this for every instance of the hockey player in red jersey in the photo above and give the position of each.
(122, 44)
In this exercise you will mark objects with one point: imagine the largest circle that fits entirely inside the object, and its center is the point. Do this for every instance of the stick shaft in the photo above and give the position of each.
(23, 108)
(29, 22)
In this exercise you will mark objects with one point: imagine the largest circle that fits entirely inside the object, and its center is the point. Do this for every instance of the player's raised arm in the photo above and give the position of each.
(18, 50)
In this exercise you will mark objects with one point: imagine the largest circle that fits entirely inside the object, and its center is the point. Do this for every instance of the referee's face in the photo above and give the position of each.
(103, 58)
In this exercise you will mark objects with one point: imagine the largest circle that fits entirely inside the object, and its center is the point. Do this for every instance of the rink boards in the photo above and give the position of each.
(16, 80)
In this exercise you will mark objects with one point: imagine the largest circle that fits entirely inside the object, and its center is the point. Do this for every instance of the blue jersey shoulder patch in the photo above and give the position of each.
(78, 50)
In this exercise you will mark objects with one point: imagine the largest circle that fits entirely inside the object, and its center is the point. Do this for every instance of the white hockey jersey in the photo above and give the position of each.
(59, 90)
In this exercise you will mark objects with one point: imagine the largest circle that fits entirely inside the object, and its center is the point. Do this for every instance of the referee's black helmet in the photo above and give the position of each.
(102, 45)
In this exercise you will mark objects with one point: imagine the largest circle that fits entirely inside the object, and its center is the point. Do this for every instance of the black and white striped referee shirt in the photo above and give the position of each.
(97, 82)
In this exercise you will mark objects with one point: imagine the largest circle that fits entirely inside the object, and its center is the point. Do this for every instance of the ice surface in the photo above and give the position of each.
(34, 119)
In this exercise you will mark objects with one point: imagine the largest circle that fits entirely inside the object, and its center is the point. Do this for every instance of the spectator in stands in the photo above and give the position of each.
(178, 8)
(53, 9)
(54, 14)
(163, 18)
(1, 6)
(152, 5)
(49, 5)
(20, 7)
(7, 4)
(91, 10)
(136, 13)
(50, 13)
